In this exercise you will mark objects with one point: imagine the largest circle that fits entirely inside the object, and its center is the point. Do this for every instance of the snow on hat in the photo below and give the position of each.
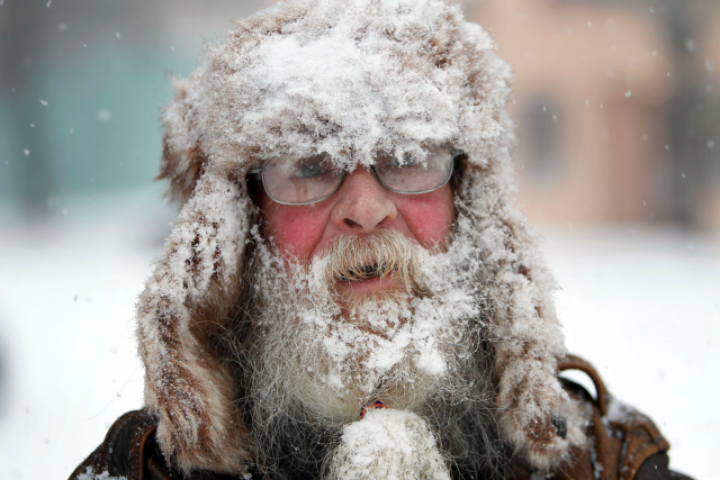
(350, 78)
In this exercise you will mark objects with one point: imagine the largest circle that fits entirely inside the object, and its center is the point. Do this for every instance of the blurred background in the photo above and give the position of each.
(617, 105)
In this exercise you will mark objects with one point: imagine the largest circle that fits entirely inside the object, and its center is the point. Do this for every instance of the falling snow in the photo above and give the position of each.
(104, 115)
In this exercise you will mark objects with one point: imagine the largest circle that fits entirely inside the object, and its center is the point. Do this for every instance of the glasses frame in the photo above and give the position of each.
(261, 171)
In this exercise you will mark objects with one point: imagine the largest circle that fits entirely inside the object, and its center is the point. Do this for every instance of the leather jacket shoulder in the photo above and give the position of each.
(624, 443)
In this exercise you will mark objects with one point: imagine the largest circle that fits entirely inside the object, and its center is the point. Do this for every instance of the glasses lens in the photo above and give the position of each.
(303, 180)
(408, 175)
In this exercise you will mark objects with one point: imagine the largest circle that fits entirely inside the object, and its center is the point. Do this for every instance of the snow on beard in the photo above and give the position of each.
(333, 352)
(387, 444)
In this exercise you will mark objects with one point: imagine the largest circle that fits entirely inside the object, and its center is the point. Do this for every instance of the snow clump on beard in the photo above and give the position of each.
(322, 351)
(387, 444)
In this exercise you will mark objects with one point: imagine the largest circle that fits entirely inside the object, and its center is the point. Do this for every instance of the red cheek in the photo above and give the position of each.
(429, 216)
(296, 229)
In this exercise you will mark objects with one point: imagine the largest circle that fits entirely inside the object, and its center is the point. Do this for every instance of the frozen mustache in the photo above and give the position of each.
(364, 272)
(361, 257)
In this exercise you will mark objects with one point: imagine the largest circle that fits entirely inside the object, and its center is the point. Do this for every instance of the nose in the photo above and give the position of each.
(363, 204)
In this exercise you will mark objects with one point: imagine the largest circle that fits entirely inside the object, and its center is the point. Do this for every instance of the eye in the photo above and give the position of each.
(309, 171)
(311, 167)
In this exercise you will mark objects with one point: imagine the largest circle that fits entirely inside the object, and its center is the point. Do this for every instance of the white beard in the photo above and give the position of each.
(396, 348)
(313, 362)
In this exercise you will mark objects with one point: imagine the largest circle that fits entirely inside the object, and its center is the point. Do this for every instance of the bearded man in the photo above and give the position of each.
(348, 292)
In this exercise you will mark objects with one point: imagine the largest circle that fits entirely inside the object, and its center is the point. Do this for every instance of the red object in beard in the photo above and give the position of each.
(367, 407)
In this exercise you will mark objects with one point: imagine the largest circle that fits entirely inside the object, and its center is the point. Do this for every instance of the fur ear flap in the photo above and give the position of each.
(534, 414)
(183, 161)
(195, 283)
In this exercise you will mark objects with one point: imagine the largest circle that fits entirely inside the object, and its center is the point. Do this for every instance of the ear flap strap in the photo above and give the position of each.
(571, 362)
(623, 440)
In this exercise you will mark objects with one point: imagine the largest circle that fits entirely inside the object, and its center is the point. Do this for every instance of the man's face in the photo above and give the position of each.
(325, 343)
(361, 206)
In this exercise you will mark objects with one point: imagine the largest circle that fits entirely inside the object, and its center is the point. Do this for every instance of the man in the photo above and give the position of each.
(348, 292)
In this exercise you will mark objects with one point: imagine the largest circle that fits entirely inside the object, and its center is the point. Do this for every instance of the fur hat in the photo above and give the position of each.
(350, 78)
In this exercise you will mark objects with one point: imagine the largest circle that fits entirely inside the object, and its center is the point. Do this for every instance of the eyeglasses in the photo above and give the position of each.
(300, 181)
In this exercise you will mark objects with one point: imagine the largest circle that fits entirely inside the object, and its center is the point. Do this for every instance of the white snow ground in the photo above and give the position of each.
(643, 305)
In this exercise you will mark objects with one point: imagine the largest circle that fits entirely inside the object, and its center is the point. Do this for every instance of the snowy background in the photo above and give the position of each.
(82, 83)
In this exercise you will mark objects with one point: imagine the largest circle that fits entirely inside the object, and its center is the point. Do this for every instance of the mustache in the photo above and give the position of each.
(354, 258)
(364, 272)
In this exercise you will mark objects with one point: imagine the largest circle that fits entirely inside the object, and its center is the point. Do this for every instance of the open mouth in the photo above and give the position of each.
(364, 272)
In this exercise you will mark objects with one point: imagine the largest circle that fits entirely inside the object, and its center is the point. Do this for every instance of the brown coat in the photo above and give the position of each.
(626, 445)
